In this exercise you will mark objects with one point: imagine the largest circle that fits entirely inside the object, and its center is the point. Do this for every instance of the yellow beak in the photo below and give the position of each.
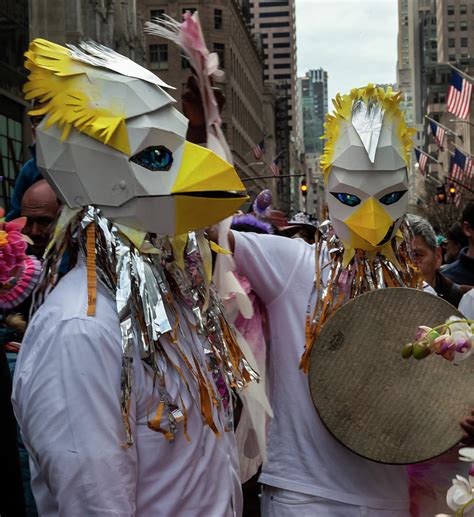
(207, 189)
(370, 221)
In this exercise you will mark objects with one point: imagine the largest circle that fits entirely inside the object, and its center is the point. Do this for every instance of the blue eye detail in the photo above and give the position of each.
(391, 198)
(347, 199)
(154, 158)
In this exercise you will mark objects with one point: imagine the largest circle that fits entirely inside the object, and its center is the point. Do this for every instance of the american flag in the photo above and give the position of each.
(259, 150)
(438, 133)
(461, 171)
(422, 160)
(459, 95)
(274, 168)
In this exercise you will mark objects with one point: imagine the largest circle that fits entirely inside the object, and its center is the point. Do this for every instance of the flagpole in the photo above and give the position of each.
(463, 151)
(468, 77)
(276, 177)
(426, 154)
(275, 157)
(450, 131)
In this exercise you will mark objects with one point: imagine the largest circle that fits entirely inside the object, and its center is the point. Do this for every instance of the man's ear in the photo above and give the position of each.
(466, 228)
(438, 257)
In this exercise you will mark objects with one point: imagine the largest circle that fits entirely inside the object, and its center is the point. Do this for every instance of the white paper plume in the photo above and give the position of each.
(96, 54)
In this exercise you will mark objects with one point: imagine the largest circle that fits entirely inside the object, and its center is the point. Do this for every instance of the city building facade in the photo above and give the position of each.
(15, 133)
(117, 25)
(313, 88)
(226, 29)
(314, 94)
(434, 36)
(455, 45)
(274, 23)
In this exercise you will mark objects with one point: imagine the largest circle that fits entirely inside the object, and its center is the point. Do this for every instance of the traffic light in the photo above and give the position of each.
(304, 188)
(452, 190)
(441, 194)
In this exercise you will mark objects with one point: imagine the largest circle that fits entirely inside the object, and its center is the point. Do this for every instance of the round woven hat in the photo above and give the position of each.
(379, 405)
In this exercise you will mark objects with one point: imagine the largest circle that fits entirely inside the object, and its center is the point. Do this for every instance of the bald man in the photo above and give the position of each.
(41, 206)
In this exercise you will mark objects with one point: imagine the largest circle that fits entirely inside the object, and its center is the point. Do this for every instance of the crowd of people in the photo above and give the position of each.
(128, 378)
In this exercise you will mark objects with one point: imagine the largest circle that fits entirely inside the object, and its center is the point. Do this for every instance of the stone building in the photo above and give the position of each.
(116, 24)
(454, 45)
(274, 22)
(455, 35)
(227, 33)
(14, 128)
(434, 34)
(314, 93)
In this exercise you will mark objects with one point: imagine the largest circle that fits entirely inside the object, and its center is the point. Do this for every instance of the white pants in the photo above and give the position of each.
(277, 502)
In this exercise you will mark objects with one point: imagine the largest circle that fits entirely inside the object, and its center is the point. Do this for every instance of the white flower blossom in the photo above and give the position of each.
(461, 494)
(466, 454)
(461, 334)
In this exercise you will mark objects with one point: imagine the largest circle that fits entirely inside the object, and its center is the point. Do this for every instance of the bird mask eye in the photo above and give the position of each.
(393, 197)
(347, 199)
(154, 158)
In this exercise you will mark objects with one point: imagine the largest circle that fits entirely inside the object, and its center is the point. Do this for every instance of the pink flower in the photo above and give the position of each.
(462, 345)
(426, 332)
(12, 246)
(445, 346)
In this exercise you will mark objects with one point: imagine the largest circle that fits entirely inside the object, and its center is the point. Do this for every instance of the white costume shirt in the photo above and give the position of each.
(466, 305)
(66, 396)
(302, 455)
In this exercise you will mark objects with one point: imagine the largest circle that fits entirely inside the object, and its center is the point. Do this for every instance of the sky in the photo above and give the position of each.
(354, 40)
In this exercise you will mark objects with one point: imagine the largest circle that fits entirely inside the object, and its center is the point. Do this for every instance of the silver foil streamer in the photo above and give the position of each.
(152, 293)
(123, 297)
(363, 273)
(368, 276)
(379, 274)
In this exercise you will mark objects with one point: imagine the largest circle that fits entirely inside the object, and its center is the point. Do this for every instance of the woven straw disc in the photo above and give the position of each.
(379, 405)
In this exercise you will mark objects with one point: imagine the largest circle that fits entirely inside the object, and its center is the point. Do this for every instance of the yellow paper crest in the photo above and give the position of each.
(65, 92)
(390, 103)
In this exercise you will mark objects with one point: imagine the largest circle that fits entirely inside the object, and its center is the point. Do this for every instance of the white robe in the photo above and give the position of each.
(66, 396)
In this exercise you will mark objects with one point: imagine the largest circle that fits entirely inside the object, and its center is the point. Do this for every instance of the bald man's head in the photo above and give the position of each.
(41, 206)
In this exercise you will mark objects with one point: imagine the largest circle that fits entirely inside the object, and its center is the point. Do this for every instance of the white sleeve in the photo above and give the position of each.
(68, 406)
(428, 289)
(268, 261)
(466, 305)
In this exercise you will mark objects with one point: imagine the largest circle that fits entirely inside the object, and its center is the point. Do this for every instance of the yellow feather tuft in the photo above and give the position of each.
(66, 94)
(390, 102)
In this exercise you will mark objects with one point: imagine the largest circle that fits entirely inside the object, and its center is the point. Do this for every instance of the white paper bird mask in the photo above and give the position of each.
(365, 162)
(112, 138)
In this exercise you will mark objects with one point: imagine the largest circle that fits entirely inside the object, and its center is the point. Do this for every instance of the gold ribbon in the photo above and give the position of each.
(91, 270)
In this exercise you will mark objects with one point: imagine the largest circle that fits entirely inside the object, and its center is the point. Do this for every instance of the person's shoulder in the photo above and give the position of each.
(30, 171)
(469, 295)
(69, 300)
(450, 267)
(276, 243)
(466, 305)
(426, 287)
